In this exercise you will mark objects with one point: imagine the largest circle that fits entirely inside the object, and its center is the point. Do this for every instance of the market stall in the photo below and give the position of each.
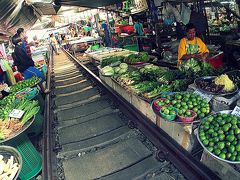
(174, 101)
(20, 117)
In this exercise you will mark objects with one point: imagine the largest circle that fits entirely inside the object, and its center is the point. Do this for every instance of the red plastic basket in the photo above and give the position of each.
(188, 119)
(216, 61)
(156, 106)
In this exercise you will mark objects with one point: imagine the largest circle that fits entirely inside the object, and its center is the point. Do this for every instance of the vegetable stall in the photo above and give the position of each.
(21, 117)
(186, 104)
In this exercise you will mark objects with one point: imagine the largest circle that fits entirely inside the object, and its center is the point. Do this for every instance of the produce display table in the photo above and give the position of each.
(103, 53)
(182, 133)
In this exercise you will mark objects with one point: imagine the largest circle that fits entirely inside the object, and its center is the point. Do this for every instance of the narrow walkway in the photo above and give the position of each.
(93, 136)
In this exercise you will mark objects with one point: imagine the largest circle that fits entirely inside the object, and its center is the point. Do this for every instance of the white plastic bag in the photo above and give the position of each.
(185, 14)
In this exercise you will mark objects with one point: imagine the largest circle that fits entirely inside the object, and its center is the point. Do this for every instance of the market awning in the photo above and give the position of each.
(87, 3)
(15, 13)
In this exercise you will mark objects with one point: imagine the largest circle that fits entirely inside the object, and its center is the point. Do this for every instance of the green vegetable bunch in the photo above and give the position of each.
(24, 84)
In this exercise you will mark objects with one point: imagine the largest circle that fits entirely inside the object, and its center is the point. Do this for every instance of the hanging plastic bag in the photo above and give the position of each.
(185, 14)
(9, 73)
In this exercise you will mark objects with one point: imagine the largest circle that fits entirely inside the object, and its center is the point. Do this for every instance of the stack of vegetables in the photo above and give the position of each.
(24, 84)
(118, 70)
(149, 81)
(8, 125)
(154, 80)
(136, 58)
(184, 103)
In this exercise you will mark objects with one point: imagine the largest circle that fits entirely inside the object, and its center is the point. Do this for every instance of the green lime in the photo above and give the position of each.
(205, 142)
(234, 127)
(210, 118)
(232, 158)
(202, 138)
(234, 142)
(237, 147)
(222, 155)
(220, 132)
(237, 131)
(206, 127)
(231, 149)
(238, 158)
(201, 133)
(174, 102)
(214, 134)
(228, 144)
(221, 137)
(221, 145)
(230, 138)
(201, 115)
(204, 110)
(211, 144)
(210, 148)
(178, 97)
(226, 128)
(210, 131)
(222, 122)
(217, 151)
(188, 113)
(215, 139)
(234, 121)
(231, 132)
(178, 106)
(216, 125)
(228, 155)
(167, 101)
(195, 109)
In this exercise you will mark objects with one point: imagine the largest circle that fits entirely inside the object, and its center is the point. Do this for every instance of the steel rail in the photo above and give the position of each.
(169, 148)
(47, 171)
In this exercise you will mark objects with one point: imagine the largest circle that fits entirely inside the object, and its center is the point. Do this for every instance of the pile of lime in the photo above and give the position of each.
(186, 114)
(163, 102)
(168, 110)
(220, 134)
(184, 101)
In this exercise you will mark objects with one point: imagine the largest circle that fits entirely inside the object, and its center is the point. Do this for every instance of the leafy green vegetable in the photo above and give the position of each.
(112, 61)
(140, 57)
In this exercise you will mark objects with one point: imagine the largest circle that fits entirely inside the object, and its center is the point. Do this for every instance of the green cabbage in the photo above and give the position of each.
(123, 66)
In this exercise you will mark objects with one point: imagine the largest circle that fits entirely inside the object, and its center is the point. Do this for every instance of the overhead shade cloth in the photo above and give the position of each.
(87, 3)
(15, 14)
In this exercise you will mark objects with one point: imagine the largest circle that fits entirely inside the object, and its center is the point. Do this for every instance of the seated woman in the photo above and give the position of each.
(24, 63)
(191, 49)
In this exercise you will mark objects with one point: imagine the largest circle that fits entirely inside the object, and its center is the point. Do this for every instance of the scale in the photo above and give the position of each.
(220, 103)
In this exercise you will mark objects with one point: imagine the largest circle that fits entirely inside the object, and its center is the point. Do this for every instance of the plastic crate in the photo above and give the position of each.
(32, 160)
(132, 47)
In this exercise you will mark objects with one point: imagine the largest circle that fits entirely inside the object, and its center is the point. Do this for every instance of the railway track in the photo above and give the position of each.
(92, 133)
